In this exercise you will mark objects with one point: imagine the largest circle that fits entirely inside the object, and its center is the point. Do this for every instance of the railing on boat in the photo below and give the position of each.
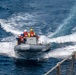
(65, 67)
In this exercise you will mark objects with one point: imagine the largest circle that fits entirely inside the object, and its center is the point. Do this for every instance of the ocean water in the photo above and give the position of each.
(55, 19)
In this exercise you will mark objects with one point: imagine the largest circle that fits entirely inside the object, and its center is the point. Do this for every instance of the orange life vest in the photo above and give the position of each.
(21, 38)
(25, 34)
(32, 34)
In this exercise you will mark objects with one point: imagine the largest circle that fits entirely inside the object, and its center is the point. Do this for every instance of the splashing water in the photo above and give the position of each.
(17, 23)
(6, 48)
(63, 39)
(42, 39)
(62, 52)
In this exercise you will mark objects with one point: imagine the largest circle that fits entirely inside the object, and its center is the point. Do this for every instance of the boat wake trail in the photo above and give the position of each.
(17, 23)
(62, 52)
(63, 39)
(7, 49)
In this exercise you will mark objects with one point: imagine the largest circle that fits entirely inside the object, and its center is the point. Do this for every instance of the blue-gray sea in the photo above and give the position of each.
(55, 19)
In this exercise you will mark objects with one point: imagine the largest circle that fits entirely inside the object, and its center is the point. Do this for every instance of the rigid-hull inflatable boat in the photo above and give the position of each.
(31, 50)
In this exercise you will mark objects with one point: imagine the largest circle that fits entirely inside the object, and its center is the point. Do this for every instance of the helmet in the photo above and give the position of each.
(25, 30)
(31, 29)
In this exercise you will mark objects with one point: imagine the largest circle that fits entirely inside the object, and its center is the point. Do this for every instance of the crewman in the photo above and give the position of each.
(20, 39)
(28, 34)
(32, 33)
(25, 35)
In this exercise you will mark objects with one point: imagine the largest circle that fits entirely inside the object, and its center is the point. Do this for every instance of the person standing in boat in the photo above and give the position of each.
(25, 35)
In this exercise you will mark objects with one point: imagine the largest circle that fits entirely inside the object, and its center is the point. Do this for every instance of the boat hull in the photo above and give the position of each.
(31, 52)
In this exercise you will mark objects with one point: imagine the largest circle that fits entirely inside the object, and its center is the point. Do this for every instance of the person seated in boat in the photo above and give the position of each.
(32, 33)
(20, 39)
(25, 35)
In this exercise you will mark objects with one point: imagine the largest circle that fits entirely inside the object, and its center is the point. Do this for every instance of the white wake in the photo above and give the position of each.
(17, 24)
(7, 49)
(63, 39)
